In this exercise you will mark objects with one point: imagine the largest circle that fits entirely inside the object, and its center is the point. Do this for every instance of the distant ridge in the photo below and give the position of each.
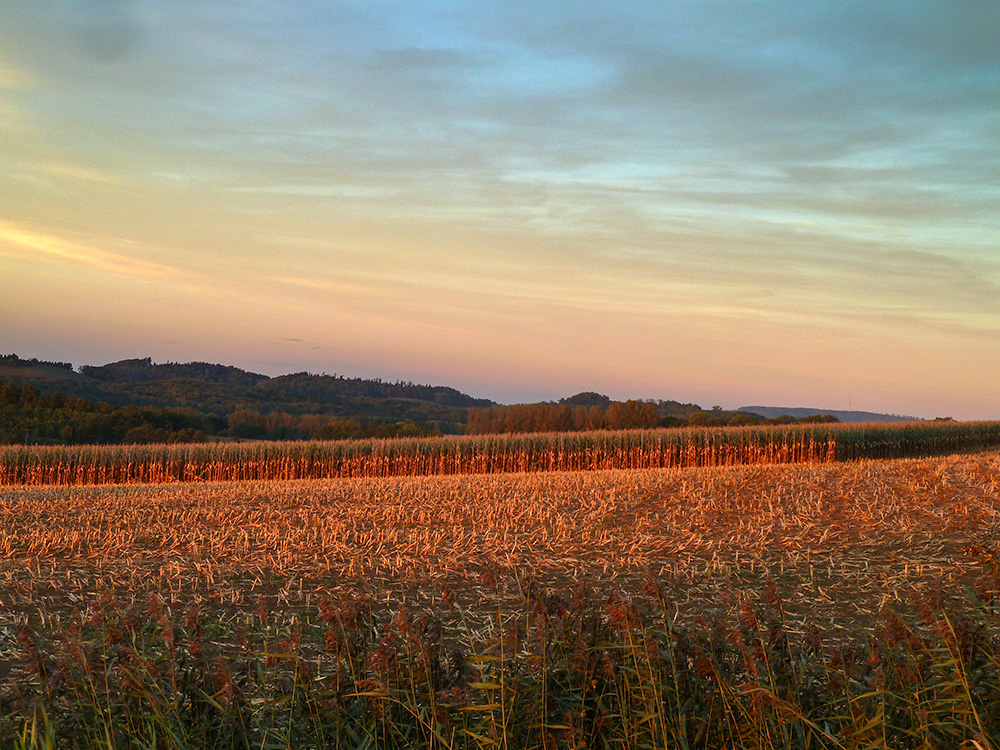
(146, 371)
(771, 412)
(216, 392)
(291, 406)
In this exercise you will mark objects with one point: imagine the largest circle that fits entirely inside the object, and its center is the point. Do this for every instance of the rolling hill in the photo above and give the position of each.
(772, 412)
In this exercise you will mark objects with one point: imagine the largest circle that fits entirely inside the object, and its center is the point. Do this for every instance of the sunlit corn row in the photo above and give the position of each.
(665, 448)
(410, 457)
(572, 523)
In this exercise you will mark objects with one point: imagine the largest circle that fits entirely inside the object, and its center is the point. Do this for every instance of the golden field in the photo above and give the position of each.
(842, 536)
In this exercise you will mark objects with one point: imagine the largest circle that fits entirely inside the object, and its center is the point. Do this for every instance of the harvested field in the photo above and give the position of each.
(841, 538)
(819, 605)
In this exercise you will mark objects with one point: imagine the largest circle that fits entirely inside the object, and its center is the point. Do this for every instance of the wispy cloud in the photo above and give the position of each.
(74, 171)
(19, 242)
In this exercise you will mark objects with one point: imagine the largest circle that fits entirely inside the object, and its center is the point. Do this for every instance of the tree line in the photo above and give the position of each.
(29, 416)
(12, 360)
(601, 413)
(254, 425)
(549, 417)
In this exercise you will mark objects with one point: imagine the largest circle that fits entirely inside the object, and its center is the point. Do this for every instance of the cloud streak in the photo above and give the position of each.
(18, 242)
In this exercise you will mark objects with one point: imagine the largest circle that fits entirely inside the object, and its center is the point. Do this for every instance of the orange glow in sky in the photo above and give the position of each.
(721, 203)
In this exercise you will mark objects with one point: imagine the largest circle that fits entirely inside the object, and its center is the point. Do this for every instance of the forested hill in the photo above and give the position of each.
(301, 386)
(144, 370)
(135, 399)
(772, 412)
(263, 406)
(307, 387)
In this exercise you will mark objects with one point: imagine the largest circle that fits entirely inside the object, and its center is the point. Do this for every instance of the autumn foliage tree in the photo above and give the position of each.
(548, 417)
(627, 415)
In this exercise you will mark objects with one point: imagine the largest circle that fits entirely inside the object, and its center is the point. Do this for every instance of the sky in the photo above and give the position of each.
(725, 202)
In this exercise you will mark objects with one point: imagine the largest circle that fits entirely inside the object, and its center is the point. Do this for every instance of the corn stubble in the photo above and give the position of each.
(817, 605)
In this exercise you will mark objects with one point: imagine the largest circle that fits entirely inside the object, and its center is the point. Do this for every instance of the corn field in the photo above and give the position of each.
(493, 454)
